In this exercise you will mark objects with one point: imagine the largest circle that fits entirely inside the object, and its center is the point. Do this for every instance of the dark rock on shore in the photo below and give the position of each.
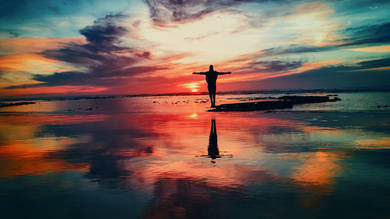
(253, 106)
(285, 102)
(308, 99)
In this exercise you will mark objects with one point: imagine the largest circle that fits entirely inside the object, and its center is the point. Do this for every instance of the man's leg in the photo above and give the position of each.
(212, 94)
(211, 98)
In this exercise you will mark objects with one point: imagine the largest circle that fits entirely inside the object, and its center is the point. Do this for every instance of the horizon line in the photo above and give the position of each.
(104, 96)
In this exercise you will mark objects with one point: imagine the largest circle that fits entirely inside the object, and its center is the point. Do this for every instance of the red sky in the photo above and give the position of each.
(153, 47)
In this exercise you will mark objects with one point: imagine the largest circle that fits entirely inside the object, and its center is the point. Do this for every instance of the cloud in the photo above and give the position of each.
(278, 66)
(377, 32)
(293, 49)
(55, 18)
(347, 8)
(163, 12)
(104, 35)
(337, 76)
(23, 17)
(372, 33)
(105, 61)
(31, 45)
(202, 36)
(16, 11)
(377, 63)
(166, 12)
(64, 78)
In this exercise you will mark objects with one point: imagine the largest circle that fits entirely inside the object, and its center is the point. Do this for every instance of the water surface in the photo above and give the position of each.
(167, 157)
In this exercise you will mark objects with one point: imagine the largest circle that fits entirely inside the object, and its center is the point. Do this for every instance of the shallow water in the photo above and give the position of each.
(167, 157)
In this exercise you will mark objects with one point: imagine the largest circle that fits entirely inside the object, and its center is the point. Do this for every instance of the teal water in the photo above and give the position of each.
(167, 157)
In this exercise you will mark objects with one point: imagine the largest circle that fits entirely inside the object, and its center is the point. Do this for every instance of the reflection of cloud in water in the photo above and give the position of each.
(120, 146)
(276, 157)
(31, 157)
(382, 143)
(318, 168)
(201, 194)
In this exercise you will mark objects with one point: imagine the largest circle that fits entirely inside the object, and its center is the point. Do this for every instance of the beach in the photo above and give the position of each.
(169, 157)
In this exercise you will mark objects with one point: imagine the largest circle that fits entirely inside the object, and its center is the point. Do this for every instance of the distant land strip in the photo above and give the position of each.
(15, 104)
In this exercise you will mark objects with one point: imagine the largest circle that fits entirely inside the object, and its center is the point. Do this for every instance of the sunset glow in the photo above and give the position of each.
(149, 109)
(192, 86)
(150, 47)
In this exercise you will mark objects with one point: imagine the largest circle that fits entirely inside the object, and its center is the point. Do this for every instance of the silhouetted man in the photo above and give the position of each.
(211, 78)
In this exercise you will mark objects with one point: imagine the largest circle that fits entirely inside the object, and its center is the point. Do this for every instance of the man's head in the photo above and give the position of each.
(211, 68)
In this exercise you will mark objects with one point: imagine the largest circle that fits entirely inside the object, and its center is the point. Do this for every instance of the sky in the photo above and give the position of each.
(98, 47)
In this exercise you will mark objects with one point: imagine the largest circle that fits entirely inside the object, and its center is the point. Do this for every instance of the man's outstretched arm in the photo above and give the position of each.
(199, 73)
(224, 73)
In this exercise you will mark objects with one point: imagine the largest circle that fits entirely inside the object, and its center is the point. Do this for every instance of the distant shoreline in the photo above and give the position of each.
(319, 91)
(15, 104)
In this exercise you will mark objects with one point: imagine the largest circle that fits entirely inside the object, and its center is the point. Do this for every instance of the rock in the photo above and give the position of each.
(285, 102)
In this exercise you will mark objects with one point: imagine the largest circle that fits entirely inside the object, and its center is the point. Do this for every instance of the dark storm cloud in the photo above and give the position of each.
(104, 34)
(107, 62)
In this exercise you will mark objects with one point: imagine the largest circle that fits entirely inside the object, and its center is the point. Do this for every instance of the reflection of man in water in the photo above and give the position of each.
(211, 78)
(213, 142)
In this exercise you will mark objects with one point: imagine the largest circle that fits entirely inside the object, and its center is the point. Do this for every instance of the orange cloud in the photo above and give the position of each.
(34, 44)
(382, 143)
(374, 69)
(381, 49)
(23, 62)
(315, 65)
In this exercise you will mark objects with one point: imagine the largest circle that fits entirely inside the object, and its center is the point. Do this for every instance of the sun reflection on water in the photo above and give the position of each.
(180, 162)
